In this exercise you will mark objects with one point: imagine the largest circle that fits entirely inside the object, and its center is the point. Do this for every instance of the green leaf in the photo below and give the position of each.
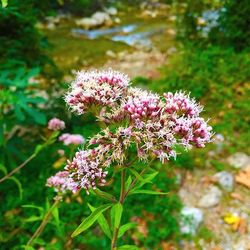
(144, 191)
(128, 182)
(41, 209)
(39, 117)
(89, 221)
(33, 218)
(150, 177)
(116, 214)
(39, 241)
(146, 178)
(1, 132)
(102, 194)
(4, 3)
(136, 174)
(125, 228)
(128, 247)
(102, 222)
(19, 185)
(19, 113)
(27, 247)
(3, 169)
(55, 214)
(38, 148)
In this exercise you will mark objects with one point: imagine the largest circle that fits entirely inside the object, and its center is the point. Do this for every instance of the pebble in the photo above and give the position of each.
(211, 198)
(226, 180)
(110, 53)
(191, 218)
(242, 244)
(239, 160)
(111, 11)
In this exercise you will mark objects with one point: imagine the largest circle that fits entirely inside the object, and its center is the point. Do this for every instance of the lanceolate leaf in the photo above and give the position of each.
(4, 3)
(1, 133)
(144, 191)
(19, 185)
(41, 209)
(89, 221)
(3, 169)
(102, 194)
(143, 179)
(116, 214)
(128, 247)
(125, 228)
(136, 174)
(102, 222)
(128, 182)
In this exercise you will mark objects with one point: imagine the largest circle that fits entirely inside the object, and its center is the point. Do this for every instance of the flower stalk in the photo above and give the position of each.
(121, 200)
(44, 221)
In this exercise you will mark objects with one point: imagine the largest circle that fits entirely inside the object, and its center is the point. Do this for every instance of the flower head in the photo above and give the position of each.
(141, 104)
(181, 104)
(85, 169)
(193, 131)
(74, 139)
(56, 124)
(62, 182)
(101, 88)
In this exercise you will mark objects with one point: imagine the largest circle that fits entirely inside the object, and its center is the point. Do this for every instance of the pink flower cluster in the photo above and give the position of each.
(56, 124)
(74, 139)
(101, 88)
(181, 103)
(193, 131)
(155, 125)
(62, 182)
(141, 104)
(83, 171)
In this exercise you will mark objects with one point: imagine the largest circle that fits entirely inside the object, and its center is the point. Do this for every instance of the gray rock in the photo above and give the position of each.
(101, 17)
(242, 243)
(211, 198)
(111, 53)
(226, 180)
(111, 11)
(96, 20)
(219, 141)
(191, 218)
(239, 160)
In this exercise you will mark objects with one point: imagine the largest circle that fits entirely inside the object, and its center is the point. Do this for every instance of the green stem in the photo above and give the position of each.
(37, 150)
(123, 195)
(17, 168)
(121, 200)
(45, 221)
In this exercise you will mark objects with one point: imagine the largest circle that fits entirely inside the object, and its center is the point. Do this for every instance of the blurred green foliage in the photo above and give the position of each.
(21, 43)
(235, 21)
(218, 22)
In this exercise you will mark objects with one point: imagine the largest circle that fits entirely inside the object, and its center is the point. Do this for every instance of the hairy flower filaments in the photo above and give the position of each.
(182, 104)
(101, 88)
(85, 169)
(140, 104)
(62, 182)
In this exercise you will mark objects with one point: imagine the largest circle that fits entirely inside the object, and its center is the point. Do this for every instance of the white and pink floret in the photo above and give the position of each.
(56, 124)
